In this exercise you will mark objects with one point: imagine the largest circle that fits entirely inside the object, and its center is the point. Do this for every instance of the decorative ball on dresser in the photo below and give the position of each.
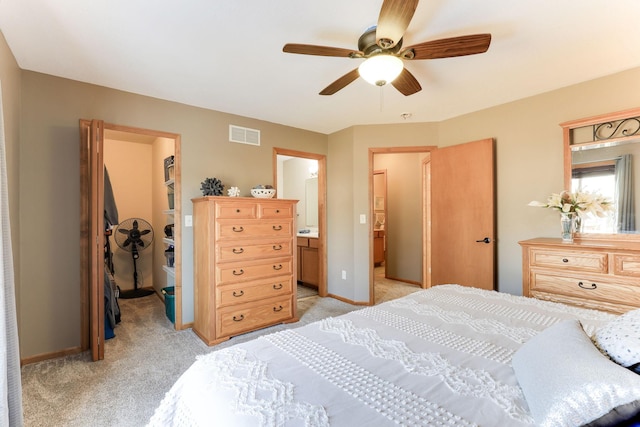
(212, 187)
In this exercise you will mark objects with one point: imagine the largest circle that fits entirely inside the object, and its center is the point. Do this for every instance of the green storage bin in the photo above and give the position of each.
(170, 303)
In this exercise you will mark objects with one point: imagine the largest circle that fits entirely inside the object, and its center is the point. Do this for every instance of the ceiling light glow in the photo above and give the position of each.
(381, 69)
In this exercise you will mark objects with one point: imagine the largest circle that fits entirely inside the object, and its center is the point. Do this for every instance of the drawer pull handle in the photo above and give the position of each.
(277, 267)
(277, 287)
(277, 210)
(277, 227)
(238, 273)
(277, 248)
(565, 260)
(238, 229)
(238, 251)
(277, 309)
(593, 286)
(238, 294)
(237, 210)
(238, 318)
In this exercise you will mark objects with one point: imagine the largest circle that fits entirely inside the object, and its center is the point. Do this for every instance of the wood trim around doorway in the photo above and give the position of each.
(85, 201)
(322, 206)
(425, 212)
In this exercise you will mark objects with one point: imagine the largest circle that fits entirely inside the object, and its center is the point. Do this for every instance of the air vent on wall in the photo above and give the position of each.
(244, 135)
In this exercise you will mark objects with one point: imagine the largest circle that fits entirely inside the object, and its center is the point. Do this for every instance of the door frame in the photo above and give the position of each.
(382, 172)
(426, 221)
(322, 206)
(92, 323)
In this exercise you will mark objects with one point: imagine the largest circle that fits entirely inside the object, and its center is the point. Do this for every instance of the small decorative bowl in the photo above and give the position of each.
(263, 193)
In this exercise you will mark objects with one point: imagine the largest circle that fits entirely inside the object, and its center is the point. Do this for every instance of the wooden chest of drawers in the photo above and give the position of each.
(603, 275)
(244, 265)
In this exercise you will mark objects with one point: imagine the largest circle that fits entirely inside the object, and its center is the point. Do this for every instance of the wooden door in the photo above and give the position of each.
(92, 179)
(463, 215)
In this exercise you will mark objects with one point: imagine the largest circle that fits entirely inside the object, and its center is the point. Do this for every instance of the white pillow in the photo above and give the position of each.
(620, 338)
(567, 381)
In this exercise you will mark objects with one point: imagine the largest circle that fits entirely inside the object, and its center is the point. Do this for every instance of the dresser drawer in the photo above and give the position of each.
(238, 252)
(585, 287)
(626, 265)
(275, 210)
(225, 210)
(240, 293)
(250, 270)
(237, 319)
(226, 229)
(595, 262)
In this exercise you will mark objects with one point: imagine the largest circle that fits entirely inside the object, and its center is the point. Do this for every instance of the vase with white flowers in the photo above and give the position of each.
(573, 207)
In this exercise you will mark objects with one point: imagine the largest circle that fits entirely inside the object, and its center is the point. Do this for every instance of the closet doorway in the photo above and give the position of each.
(138, 162)
(316, 202)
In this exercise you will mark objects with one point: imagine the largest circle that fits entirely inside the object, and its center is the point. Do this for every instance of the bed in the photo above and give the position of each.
(443, 356)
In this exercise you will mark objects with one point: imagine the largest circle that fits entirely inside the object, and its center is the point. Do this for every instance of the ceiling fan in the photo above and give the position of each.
(381, 47)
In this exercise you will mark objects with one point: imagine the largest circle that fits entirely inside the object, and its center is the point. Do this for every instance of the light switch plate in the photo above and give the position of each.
(188, 221)
(363, 218)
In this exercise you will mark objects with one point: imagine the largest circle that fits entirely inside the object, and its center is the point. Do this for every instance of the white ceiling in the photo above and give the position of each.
(227, 55)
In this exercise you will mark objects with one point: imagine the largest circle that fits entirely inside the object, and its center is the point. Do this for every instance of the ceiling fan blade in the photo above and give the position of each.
(126, 242)
(341, 82)
(135, 224)
(143, 232)
(449, 47)
(394, 18)
(309, 49)
(406, 83)
(123, 230)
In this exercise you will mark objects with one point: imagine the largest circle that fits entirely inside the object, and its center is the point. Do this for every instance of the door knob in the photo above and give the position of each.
(485, 240)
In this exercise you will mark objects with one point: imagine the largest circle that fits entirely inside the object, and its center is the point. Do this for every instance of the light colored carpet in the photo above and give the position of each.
(141, 363)
(306, 292)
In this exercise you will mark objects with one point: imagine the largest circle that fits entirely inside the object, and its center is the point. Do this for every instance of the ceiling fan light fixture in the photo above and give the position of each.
(380, 69)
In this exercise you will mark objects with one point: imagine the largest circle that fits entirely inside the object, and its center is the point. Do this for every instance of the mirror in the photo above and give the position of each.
(602, 155)
(311, 201)
(297, 178)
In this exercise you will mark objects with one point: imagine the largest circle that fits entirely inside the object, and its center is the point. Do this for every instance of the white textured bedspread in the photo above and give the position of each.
(436, 357)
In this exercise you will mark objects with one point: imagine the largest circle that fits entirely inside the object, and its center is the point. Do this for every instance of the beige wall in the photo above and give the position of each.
(10, 82)
(50, 206)
(341, 218)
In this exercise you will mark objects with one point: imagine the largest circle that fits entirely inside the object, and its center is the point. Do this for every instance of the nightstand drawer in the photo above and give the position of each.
(594, 262)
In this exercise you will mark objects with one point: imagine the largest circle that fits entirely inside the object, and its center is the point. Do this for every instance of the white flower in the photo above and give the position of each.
(580, 203)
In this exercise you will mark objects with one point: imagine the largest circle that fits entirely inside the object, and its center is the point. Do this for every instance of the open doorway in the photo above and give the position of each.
(399, 228)
(302, 176)
(139, 168)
